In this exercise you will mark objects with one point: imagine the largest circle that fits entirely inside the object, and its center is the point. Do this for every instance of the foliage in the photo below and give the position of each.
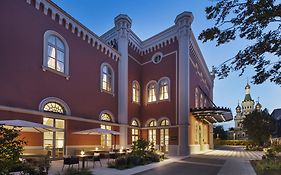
(11, 147)
(234, 142)
(267, 166)
(73, 171)
(219, 132)
(255, 20)
(142, 153)
(37, 165)
(259, 125)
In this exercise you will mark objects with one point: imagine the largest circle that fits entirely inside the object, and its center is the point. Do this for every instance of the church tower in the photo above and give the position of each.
(238, 117)
(248, 103)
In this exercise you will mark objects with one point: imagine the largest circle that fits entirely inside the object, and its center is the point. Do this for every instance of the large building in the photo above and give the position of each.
(57, 72)
(247, 107)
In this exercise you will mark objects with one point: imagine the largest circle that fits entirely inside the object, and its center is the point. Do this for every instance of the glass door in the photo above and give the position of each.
(54, 141)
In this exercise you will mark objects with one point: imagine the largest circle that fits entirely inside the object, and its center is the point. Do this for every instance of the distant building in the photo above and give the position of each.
(276, 114)
(247, 107)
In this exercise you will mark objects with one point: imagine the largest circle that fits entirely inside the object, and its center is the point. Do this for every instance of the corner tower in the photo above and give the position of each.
(183, 24)
(123, 26)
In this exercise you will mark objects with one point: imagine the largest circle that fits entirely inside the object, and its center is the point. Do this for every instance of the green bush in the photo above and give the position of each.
(234, 142)
(267, 166)
(142, 153)
(11, 147)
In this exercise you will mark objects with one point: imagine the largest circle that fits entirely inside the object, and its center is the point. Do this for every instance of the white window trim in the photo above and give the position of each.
(56, 100)
(45, 54)
(156, 93)
(156, 54)
(150, 120)
(161, 119)
(169, 89)
(196, 98)
(112, 79)
(135, 81)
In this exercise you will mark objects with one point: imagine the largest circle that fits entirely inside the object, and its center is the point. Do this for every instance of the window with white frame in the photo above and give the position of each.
(56, 53)
(164, 85)
(196, 98)
(106, 139)
(152, 132)
(164, 135)
(136, 92)
(151, 92)
(135, 132)
(107, 78)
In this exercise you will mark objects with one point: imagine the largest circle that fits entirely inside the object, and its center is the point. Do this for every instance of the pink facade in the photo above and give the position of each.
(26, 82)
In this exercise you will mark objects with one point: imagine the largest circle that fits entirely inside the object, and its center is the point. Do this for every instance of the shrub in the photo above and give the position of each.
(11, 147)
(267, 166)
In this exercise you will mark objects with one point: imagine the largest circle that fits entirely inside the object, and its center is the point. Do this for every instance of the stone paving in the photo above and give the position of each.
(235, 162)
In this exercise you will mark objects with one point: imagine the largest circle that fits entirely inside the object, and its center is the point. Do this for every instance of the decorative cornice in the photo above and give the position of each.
(57, 14)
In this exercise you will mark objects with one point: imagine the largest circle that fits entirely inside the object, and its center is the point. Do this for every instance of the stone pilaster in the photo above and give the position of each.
(123, 25)
(183, 22)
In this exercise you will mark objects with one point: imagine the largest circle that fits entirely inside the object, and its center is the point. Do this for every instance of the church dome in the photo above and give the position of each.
(258, 106)
(238, 109)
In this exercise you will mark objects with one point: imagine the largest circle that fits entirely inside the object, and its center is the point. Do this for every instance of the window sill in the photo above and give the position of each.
(137, 103)
(153, 102)
(164, 100)
(44, 68)
(111, 93)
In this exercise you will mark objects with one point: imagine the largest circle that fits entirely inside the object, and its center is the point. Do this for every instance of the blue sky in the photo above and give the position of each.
(153, 16)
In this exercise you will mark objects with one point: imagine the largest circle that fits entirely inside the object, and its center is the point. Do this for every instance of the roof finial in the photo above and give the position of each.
(258, 99)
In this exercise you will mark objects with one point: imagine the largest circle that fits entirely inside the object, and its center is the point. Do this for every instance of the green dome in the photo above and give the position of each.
(248, 98)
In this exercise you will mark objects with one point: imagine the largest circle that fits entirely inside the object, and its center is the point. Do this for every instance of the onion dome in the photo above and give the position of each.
(238, 109)
(258, 106)
(247, 86)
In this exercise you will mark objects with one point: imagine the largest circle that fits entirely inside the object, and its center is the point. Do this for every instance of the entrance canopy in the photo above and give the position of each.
(27, 126)
(212, 114)
(97, 131)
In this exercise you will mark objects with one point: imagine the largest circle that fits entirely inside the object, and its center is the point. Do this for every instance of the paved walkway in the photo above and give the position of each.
(223, 161)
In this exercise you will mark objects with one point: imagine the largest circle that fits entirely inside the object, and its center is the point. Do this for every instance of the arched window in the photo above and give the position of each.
(196, 98)
(205, 102)
(53, 107)
(56, 53)
(152, 132)
(164, 86)
(164, 135)
(135, 132)
(136, 92)
(106, 139)
(151, 92)
(107, 78)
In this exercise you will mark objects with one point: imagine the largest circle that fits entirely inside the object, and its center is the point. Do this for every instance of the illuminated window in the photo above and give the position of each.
(151, 92)
(54, 141)
(196, 98)
(107, 78)
(164, 136)
(106, 139)
(56, 53)
(164, 85)
(152, 132)
(135, 132)
(136, 92)
(54, 107)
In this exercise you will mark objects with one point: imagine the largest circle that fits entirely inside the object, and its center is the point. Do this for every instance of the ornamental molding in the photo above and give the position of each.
(57, 14)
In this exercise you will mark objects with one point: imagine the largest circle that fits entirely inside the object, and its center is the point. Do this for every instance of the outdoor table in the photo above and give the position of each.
(83, 158)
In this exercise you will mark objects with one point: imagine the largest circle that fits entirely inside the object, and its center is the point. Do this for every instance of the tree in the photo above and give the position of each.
(256, 20)
(259, 125)
(219, 132)
(11, 147)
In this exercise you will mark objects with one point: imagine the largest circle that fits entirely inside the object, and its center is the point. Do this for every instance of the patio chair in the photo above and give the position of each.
(96, 158)
(112, 155)
(70, 161)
